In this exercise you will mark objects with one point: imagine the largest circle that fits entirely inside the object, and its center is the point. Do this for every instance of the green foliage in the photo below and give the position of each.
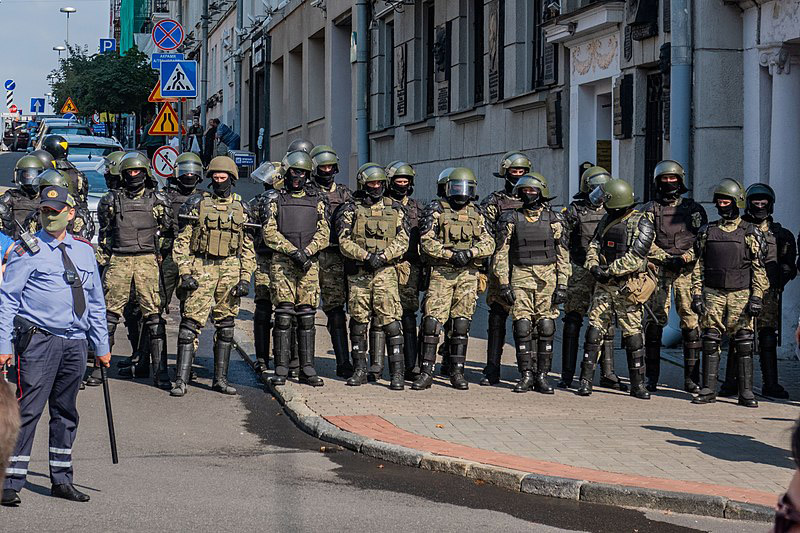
(104, 82)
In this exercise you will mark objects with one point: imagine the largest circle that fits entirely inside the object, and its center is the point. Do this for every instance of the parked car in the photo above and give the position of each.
(93, 167)
(85, 145)
(59, 126)
(16, 135)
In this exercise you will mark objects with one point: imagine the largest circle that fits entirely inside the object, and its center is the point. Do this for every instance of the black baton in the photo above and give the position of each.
(112, 437)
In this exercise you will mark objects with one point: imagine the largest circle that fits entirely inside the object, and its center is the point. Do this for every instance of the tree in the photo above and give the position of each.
(106, 82)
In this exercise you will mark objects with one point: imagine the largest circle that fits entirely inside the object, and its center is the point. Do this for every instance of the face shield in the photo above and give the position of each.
(460, 190)
(267, 173)
(598, 196)
(27, 177)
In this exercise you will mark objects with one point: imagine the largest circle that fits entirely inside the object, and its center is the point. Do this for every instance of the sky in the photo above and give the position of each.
(28, 32)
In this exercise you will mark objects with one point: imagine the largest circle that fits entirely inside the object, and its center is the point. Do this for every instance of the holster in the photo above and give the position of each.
(23, 332)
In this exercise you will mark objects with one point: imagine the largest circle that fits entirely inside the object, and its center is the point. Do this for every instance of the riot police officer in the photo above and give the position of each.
(780, 264)
(296, 228)
(132, 220)
(677, 221)
(332, 280)
(373, 237)
(111, 174)
(58, 147)
(581, 218)
(215, 258)
(45, 157)
(617, 258)
(300, 145)
(728, 286)
(513, 165)
(532, 264)
(456, 239)
(81, 225)
(17, 203)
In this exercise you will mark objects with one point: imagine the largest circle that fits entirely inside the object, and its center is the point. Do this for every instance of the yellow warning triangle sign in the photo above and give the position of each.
(166, 122)
(69, 106)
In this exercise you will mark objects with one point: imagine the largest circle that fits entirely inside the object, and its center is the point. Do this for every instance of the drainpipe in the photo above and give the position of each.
(265, 151)
(362, 57)
(680, 84)
(237, 68)
(204, 68)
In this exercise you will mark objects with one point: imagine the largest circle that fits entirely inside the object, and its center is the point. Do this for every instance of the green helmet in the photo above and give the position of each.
(614, 194)
(134, 160)
(113, 160)
(514, 160)
(370, 172)
(223, 163)
(53, 178)
(461, 185)
(731, 188)
(400, 168)
(668, 167)
(27, 170)
(299, 160)
(533, 180)
(592, 177)
(324, 155)
(188, 163)
(45, 157)
(441, 181)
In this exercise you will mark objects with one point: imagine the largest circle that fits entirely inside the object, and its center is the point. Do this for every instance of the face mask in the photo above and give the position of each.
(531, 199)
(295, 180)
(399, 192)
(669, 190)
(730, 212)
(135, 183)
(222, 189)
(376, 193)
(458, 201)
(615, 213)
(54, 222)
(187, 182)
(29, 190)
(324, 178)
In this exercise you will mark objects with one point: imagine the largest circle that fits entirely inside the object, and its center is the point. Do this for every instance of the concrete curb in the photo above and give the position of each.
(514, 480)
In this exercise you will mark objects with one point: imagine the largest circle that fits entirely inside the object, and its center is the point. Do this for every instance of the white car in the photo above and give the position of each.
(94, 168)
(89, 145)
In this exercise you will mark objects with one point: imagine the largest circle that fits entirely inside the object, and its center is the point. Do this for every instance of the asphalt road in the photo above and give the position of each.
(213, 462)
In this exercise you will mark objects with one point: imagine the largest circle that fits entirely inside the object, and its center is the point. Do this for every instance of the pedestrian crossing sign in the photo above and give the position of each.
(166, 122)
(178, 79)
(69, 106)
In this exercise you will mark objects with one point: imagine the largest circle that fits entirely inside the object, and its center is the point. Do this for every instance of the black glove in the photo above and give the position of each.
(461, 258)
(674, 263)
(375, 261)
(188, 283)
(507, 293)
(299, 257)
(699, 306)
(753, 307)
(600, 274)
(559, 296)
(241, 289)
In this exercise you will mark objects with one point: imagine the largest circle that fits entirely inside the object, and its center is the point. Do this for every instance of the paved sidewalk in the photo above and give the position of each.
(726, 448)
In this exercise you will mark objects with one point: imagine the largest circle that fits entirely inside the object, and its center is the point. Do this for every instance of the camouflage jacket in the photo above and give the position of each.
(106, 217)
(276, 241)
(640, 232)
(430, 232)
(346, 220)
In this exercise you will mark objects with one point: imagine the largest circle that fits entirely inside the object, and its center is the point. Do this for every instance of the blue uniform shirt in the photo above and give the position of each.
(34, 288)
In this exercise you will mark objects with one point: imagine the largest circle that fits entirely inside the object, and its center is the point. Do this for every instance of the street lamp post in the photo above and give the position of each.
(68, 11)
(60, 48)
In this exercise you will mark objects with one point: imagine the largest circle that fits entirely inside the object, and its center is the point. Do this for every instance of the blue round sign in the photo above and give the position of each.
(69, 115)
(168, 34)
(10, 85)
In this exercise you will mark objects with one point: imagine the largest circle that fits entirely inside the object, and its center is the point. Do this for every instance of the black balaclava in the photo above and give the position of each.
(136, 183)
(531, 200)
(186, 183)
(375, 193)
(399, 192)
(325, 178)
(728, 213)
(295, 179)
(759, 213)
(511, 181)
(222, 189)
(669, 191)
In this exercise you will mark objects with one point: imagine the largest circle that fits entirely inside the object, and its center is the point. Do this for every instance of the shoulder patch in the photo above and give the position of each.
(81, 239)
(20, 250)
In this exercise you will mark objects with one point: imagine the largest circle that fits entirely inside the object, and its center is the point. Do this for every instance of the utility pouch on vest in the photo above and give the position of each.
(403, 269)
(640, 287)
(483, 282)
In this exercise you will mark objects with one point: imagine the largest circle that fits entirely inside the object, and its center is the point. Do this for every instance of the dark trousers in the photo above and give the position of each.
(49, 371)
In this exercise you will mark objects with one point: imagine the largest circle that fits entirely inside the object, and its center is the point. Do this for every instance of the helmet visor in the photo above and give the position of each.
(598, 196)
(27, 176)
(266, 173)
(189, 167)
(464, 188)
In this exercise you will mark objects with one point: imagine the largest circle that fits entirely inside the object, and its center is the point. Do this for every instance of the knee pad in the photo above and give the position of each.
(634, 342)
(523, 329)
(461, 326)
(227, 322)
(743, 335)
(283, 318)
(393, 329)
(573, 318)
(305, 322)
(593, 335)
(262, 312)
(744, 342)
(546, 327)
(431, 326)
(225, 333)
(712, 334)
(609, 335)
(188, 331)
(358, 329)
(768, 339)
(691, 338)
(112, 318)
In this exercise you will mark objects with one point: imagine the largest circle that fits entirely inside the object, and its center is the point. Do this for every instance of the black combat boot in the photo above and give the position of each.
(768, 356)
(187, 334)
(496, 339)
(132, 318)
(744, 348)
(358, 340)
(158, 353)
(636, 366)
(140, 369)
(523, 339)
(546, 329)
(394, 340)
(569, 348)
(730, 387)
(377, 352)
(261, 331)
(652, 341)
(282, 341)
(458, 352)
(223, 342)
(410, 369)
(608, 378)
(708, 394)
(306, 334)
(444, 351)
(337, 327)
(591, 351)
(691, 360)
(430, 340)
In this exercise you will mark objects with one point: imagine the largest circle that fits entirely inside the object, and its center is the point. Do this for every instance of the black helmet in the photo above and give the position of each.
(760, 191)
(301, 145)
(56, 145)
(45, 157)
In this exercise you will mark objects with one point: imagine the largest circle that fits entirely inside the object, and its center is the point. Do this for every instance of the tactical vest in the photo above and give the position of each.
(771, 263)
(135, 227)
(614, 240)
(459, 230)
(297, 218)
(726, 261)
(22, 207)
(582, 234)
(504, 203)
(533, 243)
(176, 200)
(673, 227)
(375, 230)
(220, 227)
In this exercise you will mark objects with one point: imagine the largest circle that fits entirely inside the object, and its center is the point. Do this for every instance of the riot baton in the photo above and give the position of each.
(112, 437)
(4, 372)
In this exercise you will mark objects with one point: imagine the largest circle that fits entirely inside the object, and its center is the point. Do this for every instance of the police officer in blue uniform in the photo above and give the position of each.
(51, 300)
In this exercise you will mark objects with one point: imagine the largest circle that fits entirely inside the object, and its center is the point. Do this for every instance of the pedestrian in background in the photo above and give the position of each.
(209, 141)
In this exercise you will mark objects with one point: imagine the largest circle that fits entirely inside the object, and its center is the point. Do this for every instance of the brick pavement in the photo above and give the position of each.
(667, 437)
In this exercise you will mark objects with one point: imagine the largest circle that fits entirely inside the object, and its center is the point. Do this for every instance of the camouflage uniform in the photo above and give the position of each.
(15, 207)
(446, 232)
(532, 260)
(81, 226)
(373, 236)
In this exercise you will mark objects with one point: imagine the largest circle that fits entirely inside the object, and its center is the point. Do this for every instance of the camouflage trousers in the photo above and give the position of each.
(374, 294)
(262, 281)
(533, 292)
(453, 293)
(726, 310)
(681, 285)
(607, 302)
(142, 271)
(332, 281)
(290, 284)
(216, 278)
(408, 280)
(770, 316)
(580, 289)
(493, 296)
